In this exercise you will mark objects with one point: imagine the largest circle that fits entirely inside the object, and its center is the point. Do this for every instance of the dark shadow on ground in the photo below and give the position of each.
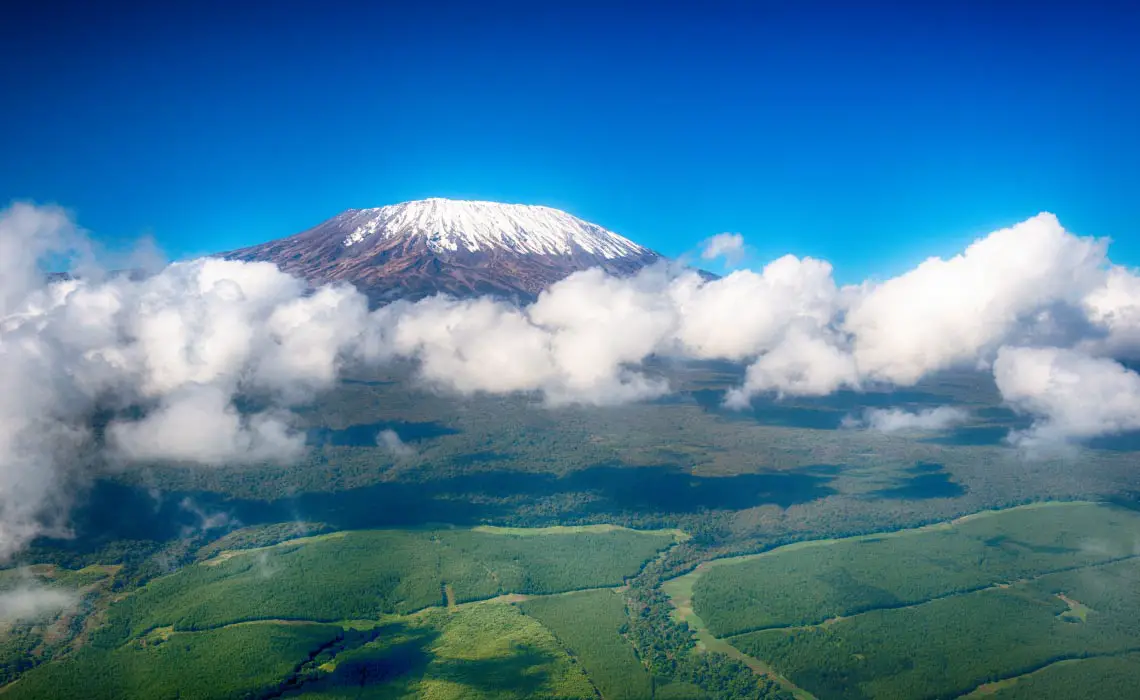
(1125, 442)
(400, 653)
(823, 413)
(522, 673)
(999, 422)
(364, 435)
(621, 493)
(1126, 499)
(972, 436)
(925, 468)
(368, 382)
(926, 480)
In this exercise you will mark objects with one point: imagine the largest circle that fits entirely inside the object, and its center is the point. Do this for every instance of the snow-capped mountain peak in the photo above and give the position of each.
(472, 226)
(431, 246)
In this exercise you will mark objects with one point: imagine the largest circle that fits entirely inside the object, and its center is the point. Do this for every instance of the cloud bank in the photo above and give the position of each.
(203, 361)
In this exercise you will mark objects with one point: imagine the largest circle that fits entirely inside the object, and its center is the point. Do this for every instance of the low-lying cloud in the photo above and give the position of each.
(898, 420)
(30, 601)
(390, 440)
(1070, 394)
(204, 360)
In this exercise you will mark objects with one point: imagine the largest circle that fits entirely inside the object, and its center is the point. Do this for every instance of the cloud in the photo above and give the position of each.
(389, 440)
(32, 601)
(169, 358)
(805, 363)
(1115, 307)
(1072, 395)
(957, 312)
(28, 235)
(576, 344)
(200, 424)
(584, 340)
(746, 314)
(729, 246)
(898, 420)
(204, 361)
(206, 520)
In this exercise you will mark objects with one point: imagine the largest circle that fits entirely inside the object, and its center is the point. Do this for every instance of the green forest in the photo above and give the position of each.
(1096, 677)
(992, 634)
(807, 585)
(357, 575)
(241, 661)
(364, 574)
(591, 626)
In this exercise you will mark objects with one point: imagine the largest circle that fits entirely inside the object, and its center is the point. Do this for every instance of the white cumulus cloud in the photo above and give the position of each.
(957, 312)
(899, 420)
(1070, 394)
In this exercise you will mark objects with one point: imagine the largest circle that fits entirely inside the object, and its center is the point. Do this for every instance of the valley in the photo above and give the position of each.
(450, 570)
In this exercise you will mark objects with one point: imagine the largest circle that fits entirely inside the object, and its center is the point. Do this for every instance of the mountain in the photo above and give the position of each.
(416, 249)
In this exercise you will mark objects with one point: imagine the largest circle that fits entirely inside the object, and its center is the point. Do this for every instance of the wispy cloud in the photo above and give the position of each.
(729, 246)
(31, 601)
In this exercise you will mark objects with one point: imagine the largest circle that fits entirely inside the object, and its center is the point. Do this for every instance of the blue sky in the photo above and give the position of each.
(870, 137)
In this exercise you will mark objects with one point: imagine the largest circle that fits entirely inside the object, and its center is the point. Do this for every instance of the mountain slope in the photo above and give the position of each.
(415, 249)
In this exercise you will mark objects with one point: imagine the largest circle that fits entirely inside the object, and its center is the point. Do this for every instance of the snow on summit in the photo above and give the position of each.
(441, 246)
(454, 225)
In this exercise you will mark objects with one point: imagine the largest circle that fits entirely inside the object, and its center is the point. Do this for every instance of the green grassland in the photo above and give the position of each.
(811, 582)
(365, 574)
(479, 651)
(589, 625)
(238, 661)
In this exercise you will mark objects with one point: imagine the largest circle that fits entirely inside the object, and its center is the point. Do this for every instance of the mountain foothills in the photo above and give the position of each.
(463, 248)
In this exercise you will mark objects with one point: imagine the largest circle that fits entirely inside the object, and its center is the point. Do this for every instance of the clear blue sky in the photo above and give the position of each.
(870, 137)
